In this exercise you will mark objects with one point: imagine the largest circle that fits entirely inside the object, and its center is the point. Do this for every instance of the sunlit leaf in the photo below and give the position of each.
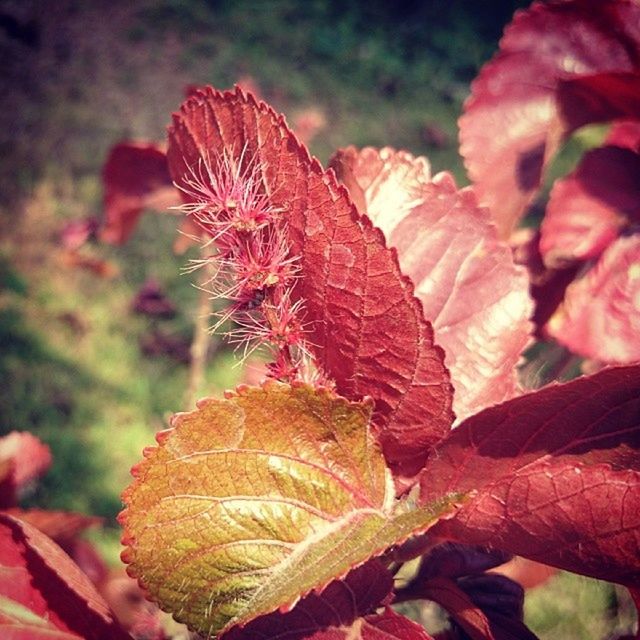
(472, 293)
(366, 328)
(512, 124)
(557, 473)
(588, 208)
(600, 315)
(252, 502)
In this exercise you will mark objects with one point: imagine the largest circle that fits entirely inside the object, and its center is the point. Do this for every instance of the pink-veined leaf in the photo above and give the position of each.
(557, 473)
(252, 502)
(588, 208)
(135, 177)
(25, 459)
(43, 594)
(512, 125)
(474, 296)
(340, 604)
(600, 315)
(366, 331)
(599, 98)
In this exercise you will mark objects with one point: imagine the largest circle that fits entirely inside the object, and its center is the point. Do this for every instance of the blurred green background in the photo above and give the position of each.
(79, 76)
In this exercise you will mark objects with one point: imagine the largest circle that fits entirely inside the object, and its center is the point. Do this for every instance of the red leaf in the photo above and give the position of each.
(26, 458)
(367, 331)
(556, 473)
(599, 98)
(472, 293)
(61, 526)
(625, 134)
(340, 604)
(588, 208)
(135, 177)
(600, 315)
(43, 594)
(511, 125)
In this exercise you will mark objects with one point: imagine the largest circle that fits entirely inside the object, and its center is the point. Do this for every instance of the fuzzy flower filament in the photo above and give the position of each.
(252, 265)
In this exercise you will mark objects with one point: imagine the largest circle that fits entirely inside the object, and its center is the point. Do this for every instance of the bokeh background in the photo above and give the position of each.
(78, 366)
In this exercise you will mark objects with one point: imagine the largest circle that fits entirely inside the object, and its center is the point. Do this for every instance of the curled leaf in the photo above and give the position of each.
(252, 502)
(600, 315)
(588, 208)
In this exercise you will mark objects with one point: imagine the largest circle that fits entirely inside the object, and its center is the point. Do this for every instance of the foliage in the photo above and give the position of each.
(387, 303)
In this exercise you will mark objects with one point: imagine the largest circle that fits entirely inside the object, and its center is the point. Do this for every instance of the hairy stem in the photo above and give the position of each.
(200, 343)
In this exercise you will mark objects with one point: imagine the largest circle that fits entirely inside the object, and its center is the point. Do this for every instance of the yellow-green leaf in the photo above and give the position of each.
(253, 501)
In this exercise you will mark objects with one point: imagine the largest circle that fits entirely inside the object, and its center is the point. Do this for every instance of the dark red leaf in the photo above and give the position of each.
(459, 605)
(556, 473)
(152, 301)
(546, 286)
(486, 606)
(494, 593)
(588, 208)
(600, 317)
(366, 328)
(44, 594)
(24, 458)
(340, 604)
(135, 177)
(599, 98)
(472, 293)
(157, 342)
(451, 560)
(512, 126)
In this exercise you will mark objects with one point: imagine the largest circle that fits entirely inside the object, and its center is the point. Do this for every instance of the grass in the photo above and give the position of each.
(70, 363)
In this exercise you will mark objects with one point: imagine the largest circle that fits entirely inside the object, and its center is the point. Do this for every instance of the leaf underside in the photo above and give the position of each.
(472, 293)
(251, 502)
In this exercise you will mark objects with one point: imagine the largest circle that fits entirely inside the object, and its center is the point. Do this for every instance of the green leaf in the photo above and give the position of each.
(251, 502)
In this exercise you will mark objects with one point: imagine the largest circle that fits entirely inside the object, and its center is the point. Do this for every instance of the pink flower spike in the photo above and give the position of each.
(225, 197)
